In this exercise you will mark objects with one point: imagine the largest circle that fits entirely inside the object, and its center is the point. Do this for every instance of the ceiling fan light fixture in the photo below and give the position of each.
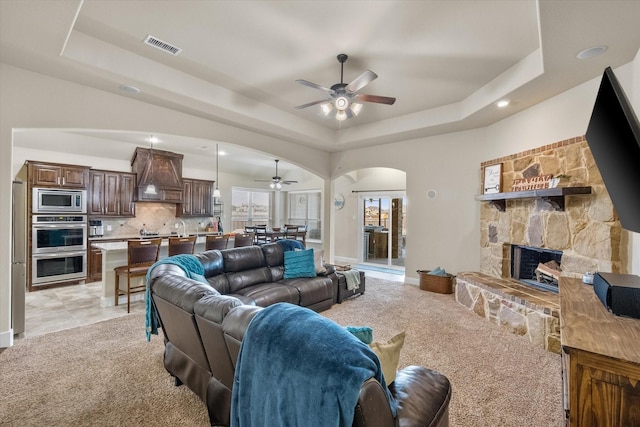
(326, 108)
(341, 116)
(341, 103)
(278, 186)
(356, 107)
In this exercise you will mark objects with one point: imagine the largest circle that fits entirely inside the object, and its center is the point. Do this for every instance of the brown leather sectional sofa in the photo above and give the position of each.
(204, 324)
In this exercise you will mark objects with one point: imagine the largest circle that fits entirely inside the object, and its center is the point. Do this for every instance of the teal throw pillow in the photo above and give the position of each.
(363, 333)
(299, 264)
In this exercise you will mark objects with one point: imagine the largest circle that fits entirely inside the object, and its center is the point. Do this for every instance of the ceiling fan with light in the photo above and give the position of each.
(344, 100)
(276, 181)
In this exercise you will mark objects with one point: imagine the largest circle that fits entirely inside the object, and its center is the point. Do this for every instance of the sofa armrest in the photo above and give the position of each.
(423, 397)
(372, 409)
(331, 269)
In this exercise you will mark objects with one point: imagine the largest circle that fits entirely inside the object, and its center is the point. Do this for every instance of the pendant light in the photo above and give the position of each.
(216, 192)
(151, 189)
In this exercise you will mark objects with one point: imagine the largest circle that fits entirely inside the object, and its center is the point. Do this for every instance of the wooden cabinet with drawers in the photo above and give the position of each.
(600, 360)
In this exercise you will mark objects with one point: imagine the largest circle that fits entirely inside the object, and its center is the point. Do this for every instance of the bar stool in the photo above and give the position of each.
(181, 245)
(141, 254)
(216, 242)
(244, 239)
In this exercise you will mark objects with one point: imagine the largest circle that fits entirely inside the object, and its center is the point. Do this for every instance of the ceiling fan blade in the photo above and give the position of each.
(262, 180)
(361, 81)
(299, 107)
(289, 182)
(315, 86)
(374, 98)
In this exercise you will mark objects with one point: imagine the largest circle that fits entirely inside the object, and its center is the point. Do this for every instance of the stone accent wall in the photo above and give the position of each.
(504, 302)
(587, 231)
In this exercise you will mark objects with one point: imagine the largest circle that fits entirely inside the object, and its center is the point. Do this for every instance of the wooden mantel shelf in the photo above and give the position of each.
(555, 196)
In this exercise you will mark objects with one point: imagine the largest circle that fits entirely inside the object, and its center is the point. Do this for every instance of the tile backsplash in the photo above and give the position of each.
(154, 217)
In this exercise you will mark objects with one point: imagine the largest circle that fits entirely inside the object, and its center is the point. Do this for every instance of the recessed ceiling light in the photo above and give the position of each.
(591, 52)
(129, 89)
(502, 103)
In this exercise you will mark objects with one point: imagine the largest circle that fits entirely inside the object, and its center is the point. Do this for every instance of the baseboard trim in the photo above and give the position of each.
(6, 338)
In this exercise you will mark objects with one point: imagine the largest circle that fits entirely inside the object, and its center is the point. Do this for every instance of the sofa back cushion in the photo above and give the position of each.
(245, 266)
(213, 264)
(212, 261)
(175, 298)
(210, 312)
(243, 258)
(274, 257)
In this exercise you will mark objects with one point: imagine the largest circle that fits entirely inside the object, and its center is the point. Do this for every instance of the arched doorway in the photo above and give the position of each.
(370, 220)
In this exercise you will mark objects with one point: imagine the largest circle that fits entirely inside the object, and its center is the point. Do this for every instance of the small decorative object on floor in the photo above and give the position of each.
(436, 280)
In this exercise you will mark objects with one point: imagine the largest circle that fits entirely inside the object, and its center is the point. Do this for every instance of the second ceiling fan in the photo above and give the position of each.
(276, 180)
(344, 100)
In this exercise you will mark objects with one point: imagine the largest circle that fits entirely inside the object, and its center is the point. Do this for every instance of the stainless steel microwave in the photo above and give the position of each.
(52, 200)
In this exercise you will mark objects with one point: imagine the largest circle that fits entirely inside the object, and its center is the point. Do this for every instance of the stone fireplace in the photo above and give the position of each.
(587, 231)
(580, 234)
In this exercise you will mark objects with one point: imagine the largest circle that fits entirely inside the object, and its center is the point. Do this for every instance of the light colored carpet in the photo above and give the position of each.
(106, 374)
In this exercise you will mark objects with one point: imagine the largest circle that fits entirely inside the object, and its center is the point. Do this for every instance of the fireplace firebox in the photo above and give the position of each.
(537, 267)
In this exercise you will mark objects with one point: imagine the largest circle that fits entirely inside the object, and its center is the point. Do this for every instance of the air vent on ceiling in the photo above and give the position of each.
(159, 44)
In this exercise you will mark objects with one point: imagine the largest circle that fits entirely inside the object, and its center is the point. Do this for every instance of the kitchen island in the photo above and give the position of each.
(114, 254)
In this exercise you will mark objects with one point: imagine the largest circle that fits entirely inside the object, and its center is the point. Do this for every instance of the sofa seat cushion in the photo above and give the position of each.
(311, 290)
(265, 294)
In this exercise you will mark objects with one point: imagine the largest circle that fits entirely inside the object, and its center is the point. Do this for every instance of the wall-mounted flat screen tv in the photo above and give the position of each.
(613, 135)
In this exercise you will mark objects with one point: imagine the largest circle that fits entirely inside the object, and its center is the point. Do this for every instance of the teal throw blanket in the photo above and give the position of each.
(193, 269)
(290, 244)
(298, 368)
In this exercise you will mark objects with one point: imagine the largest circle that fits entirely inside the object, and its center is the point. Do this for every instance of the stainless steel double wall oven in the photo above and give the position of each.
(58, 237)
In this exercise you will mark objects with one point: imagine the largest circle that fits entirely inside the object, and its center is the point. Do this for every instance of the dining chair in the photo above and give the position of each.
(216, 242)
(261, 235)
(141, 255)
(181, 245)
(290, 231)
(244, 239)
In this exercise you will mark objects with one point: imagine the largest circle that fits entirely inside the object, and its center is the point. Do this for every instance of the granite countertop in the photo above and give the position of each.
(138, 236)
(121, 244)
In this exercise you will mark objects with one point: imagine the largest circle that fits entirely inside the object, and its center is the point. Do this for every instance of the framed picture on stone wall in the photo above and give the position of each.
(492, 179)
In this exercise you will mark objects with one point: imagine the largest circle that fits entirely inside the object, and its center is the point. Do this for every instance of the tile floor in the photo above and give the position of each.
(55, 309)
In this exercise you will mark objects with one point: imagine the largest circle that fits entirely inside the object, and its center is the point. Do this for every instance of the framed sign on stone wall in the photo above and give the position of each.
(492, 179)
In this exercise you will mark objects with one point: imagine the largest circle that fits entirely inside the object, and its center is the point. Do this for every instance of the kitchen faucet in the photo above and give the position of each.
(184, 228)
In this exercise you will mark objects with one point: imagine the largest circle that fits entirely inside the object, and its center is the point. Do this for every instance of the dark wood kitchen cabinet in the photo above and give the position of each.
(111, 193)
(43, 174)
(94, 265)
(197, 198)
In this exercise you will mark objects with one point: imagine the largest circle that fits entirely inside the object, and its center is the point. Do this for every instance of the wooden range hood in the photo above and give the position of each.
(162, 169)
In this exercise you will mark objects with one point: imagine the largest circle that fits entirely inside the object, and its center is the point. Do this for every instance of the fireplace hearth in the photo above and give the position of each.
(537, 267)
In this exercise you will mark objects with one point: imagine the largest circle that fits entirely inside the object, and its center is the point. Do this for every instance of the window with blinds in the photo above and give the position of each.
(305, 209)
